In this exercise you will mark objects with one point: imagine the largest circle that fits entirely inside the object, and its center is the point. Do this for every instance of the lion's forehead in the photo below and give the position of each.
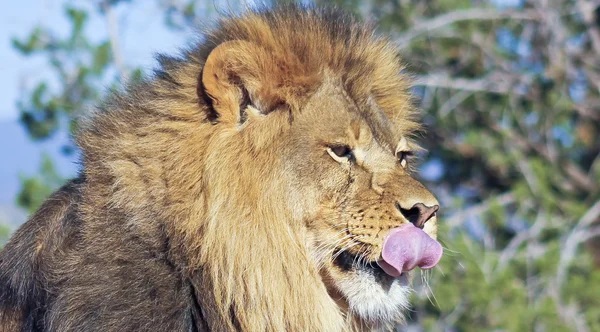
(334, 111)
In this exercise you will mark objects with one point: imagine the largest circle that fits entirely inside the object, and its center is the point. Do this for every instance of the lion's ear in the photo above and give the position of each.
(231, 78)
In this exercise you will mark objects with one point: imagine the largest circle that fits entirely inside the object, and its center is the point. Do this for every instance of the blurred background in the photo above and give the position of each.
(510, 91)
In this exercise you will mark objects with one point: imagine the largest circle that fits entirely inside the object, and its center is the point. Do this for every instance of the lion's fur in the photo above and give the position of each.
(183, 211)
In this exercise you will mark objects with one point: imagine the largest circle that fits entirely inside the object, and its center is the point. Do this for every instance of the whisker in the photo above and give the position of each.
(439, 268)
(356, 258)
(363, 256)
(334, 257)
(451, 252)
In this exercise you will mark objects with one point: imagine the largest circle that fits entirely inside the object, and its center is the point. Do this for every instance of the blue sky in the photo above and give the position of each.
(142, 34)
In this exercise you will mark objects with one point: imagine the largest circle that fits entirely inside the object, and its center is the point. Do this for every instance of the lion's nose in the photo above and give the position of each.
(418, 214)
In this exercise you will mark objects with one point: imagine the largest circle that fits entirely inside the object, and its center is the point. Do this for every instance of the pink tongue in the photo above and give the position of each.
(407, 247)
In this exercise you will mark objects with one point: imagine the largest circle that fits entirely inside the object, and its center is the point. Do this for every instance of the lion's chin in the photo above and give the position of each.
(372, 295)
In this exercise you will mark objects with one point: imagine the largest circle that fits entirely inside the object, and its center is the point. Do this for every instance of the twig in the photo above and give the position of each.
(457, 219)
(113, 34)
(453, 102)
(592, 233)
(575, 173)
(501, 84)
(463, 15)
(588, 12)
(577, 235)
(511, 249)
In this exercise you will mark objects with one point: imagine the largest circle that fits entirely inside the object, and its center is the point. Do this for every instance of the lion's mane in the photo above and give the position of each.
(182, 203)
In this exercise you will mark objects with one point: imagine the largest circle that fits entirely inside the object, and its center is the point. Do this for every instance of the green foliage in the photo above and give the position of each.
(80, 67)
(34, 190)
(33, 42)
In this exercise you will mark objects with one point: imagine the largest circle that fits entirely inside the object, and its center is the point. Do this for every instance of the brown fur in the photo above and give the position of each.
(208, 199)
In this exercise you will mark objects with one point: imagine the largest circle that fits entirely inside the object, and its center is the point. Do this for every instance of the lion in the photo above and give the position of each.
(260, 181)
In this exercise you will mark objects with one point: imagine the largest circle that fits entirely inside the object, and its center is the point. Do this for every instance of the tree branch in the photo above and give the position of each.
(458, 218)
(578, 235)
(588, 12)
(478, 14)
(511, 249)
(496, 83)
(113, 33)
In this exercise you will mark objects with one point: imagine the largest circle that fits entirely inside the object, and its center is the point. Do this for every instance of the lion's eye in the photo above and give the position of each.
(403, 157)
(340, 153)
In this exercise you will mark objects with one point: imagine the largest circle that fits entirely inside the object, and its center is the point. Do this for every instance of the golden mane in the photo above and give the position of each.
(155, 155)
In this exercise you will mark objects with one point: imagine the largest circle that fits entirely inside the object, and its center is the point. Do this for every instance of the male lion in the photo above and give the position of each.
(261, 181)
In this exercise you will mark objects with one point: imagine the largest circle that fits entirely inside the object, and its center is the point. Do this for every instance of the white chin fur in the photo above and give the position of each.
(374, 301)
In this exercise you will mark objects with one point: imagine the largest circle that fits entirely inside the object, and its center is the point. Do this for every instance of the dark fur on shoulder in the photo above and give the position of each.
(59, 275)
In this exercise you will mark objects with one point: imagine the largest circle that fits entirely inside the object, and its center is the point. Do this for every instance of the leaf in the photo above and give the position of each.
(78, 19)
(101, 58)
(35, 190)
(31, 44)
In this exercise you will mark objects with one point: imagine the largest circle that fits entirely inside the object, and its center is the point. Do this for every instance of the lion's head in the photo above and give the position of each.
(278, 157)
